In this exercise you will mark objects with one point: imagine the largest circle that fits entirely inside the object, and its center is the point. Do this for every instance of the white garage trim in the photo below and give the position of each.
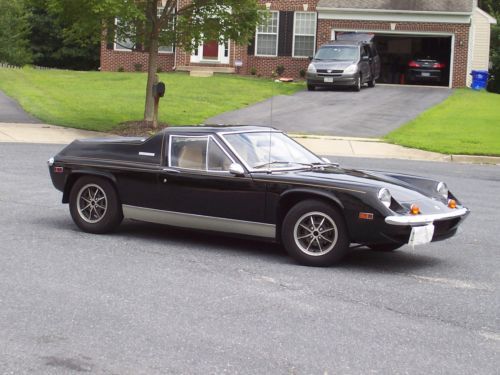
(416, 33)
(392, 16)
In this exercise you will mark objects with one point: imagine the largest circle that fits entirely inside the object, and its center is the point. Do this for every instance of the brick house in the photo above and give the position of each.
(457, 32)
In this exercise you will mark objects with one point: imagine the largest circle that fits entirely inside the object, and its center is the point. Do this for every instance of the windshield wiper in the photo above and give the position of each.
(269, 164)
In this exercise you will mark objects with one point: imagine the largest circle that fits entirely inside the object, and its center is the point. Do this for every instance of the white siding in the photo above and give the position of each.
(480, 38)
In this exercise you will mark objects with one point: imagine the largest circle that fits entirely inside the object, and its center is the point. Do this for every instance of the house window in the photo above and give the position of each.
(125, 44)
(169, 27)
(304, 34)
(266, 41)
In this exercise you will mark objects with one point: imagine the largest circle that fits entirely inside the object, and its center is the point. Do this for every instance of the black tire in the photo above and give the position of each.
(99, 217)
(311, 87)
(358, 84)
(372, 83)
(385, 247)
(335, 241)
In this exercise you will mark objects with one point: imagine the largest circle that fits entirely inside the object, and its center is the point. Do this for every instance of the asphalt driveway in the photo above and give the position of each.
(11, 111)
(369, 113)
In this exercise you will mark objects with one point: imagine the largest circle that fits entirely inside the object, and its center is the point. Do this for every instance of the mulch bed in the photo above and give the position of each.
(137, 129)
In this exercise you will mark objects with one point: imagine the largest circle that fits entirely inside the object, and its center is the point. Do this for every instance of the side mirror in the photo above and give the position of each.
(311, 58)
(236, 169)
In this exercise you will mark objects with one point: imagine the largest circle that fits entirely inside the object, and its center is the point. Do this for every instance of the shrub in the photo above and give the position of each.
(121, 69)
(253, 71)
(138, 67)
(280, 69)
(159, 70)
(302, 73)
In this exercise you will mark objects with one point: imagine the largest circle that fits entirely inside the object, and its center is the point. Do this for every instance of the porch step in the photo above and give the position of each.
(201, 73)
(213, 69)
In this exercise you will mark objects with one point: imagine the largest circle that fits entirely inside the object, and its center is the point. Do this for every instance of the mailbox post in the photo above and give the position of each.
(159, 89)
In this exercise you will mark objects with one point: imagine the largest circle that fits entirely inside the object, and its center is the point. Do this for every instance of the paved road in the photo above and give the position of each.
(11, 111)
(369, 113)
(153, 300)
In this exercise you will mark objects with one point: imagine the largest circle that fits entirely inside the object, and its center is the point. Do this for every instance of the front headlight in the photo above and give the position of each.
(351, 69)
(311, 68)
(385, 197)
(442, 189)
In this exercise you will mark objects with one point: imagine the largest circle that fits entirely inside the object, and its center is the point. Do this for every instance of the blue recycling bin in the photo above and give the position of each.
(479, 79)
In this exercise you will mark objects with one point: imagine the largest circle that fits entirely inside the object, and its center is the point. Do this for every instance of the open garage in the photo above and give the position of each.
(414, 59)
(419, 42)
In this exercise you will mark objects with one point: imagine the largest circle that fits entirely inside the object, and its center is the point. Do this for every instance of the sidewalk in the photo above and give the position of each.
(321, 145)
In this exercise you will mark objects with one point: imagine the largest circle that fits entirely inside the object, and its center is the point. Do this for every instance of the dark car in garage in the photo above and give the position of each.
(425, 70)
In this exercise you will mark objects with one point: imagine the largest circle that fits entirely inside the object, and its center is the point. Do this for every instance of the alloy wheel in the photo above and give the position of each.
(92, 203)
(315, 233)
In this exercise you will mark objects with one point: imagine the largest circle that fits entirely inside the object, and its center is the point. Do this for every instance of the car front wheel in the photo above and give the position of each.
(357, 84)
(314, 233)
(94, 205)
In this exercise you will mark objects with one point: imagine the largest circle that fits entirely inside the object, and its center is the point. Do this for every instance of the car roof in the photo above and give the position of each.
(344, 43)
(218, 129)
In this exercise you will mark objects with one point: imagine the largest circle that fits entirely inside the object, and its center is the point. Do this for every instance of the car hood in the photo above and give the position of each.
(419, 189)
(331, 64)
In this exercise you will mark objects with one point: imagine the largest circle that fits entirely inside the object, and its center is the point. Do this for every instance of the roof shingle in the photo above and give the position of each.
(459, 6)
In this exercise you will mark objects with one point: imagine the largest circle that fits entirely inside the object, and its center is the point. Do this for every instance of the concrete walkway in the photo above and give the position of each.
(11, 111)
(321, 145)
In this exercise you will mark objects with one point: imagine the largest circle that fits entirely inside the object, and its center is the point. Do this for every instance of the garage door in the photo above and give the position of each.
(412, 59)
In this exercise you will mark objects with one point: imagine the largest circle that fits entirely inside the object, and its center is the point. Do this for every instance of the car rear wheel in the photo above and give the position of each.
(311, 87)
(314, 233)
(357, 84)
(385, 247)
(94, 205)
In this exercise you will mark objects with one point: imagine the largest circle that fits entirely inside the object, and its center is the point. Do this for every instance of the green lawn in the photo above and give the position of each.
(467, 123)
(100, 101)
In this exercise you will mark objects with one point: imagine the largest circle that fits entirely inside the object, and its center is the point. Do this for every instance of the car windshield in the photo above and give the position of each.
(270, 150)
(350, 53)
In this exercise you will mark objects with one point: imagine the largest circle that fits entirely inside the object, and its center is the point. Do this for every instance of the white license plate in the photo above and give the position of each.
(425, 74)
(421, 235)
(329, 79)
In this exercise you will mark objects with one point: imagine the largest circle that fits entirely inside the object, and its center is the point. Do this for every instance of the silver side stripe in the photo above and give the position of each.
(146, 154)
(211, 223)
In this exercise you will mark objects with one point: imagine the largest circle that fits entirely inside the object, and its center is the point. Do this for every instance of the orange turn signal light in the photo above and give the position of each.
(452, 203)
(414, 209)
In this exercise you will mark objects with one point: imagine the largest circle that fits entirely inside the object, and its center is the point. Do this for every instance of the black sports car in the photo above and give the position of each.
(425, 69)
(250, 181)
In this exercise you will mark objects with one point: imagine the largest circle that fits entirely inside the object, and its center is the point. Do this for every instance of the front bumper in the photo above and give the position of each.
(324, 79)
(417, 220)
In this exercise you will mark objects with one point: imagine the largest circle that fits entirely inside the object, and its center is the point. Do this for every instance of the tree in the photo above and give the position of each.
(51, 48)
(14, 31)
(151, 23)
(493, 8)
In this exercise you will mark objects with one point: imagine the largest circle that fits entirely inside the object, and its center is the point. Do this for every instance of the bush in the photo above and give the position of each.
(121, 69)
(280, 69)
(253, 71)
(138, 67)
(159, 70)
(302, 73)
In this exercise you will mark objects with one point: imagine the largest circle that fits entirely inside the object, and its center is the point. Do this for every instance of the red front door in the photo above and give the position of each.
(211, 50)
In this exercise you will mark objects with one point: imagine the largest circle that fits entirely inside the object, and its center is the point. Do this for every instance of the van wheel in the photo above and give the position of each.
(94, 205)
(311, 87)
(315, 234)
(371, 83)
(358, 84)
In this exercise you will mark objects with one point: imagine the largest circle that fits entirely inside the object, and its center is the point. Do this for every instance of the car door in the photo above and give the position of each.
(196, 181)
(365, 63)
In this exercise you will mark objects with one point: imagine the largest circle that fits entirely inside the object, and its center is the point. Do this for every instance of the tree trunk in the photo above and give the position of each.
(152, 69)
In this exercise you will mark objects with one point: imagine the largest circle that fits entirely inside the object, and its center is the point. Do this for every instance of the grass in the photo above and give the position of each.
(100, 101)
(467, 123)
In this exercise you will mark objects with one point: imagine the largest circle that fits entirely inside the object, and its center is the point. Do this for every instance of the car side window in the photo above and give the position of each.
(188, 152)
(217, 158)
